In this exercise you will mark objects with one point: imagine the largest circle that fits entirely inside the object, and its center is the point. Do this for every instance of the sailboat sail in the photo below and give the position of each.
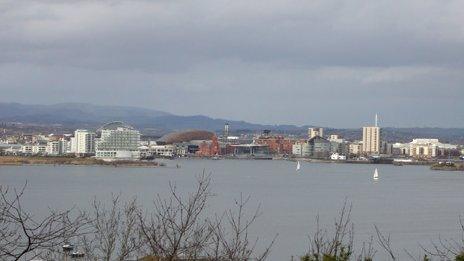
(298, 166)
(376, 174)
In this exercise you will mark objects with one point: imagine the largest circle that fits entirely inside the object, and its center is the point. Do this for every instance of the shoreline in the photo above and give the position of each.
(71, 161)
(88, 161)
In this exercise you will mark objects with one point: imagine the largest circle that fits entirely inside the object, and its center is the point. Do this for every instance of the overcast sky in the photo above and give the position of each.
(328, 63)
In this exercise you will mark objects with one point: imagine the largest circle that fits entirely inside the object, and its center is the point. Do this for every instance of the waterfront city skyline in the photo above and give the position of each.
(322, 63)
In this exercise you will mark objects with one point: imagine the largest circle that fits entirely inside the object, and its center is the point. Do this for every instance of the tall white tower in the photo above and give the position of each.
(371, 138)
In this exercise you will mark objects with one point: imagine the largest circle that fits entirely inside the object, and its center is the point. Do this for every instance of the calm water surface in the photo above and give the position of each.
(412, 203)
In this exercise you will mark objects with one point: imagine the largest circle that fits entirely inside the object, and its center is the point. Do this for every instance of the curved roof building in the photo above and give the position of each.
(186, 136)
(116, 125)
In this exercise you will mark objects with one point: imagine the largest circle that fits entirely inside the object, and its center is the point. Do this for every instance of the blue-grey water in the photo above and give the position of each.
(412, 203)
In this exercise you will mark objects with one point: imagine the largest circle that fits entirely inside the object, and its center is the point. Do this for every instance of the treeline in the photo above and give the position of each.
(176, 227)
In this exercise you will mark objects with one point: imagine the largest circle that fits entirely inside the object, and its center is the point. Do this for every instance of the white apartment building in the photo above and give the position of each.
(313, 132)
(83, 142)
(39, 149)
(55, 148)
(371, 140)
(429, 148)
(336, 138)
(355, 148)
(26, 149)
(401, 148)
(118, 141)
(163, 150)
(301, 149)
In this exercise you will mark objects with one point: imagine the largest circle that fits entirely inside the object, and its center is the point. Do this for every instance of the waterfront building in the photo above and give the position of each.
(423, 148)
(39, 149)
(339, 147)
(163, 150)
(54, 148)
(355, 148)
(316, 147)
(251, 150)
(371, 139)
(313, 132)
(336, 156)
(301, 149)
(276, 144)
(386, 148)
(400, 149)
(319, 147)
(431, 148)
(10, 149)
(26, 149)
(118, 141)
(209, 148)
(83, 143)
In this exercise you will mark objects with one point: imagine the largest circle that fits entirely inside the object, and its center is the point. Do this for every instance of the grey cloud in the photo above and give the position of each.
(303, 62)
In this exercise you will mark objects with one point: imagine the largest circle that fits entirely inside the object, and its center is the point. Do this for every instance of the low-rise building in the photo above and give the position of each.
(26, 149)
(400, 149)
(355, 148)
(39, 149)
(301, 149)
(163, 150)
(429, 148)
(55, 148)
(423, 148)
(337, 156)
(276, 144)
(319, 147)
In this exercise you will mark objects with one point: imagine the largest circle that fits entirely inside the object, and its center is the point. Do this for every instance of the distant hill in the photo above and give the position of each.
(157, 123)
(83, 115)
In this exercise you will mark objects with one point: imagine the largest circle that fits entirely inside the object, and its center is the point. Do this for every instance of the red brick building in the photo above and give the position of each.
(276, 144)
(209, 148)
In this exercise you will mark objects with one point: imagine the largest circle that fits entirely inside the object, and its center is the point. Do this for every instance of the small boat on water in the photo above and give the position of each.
(376, 174)
(298, 166)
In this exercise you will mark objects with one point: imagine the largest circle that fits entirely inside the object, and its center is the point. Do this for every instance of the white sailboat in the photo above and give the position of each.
(376, 174)
(298, 166)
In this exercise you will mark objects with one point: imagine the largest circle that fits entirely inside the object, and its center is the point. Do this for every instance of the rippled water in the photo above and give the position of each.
(412, 203)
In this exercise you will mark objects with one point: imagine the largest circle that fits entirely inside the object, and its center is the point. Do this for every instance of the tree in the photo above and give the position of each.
(335, 247)
(231, 239)
(176, 228)
(114, 230)
(21, 233)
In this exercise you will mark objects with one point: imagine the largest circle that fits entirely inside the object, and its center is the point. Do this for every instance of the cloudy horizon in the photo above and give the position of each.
(326, 63)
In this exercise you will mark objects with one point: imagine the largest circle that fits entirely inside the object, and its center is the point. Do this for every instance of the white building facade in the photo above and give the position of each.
(118, 141)
(83, 142)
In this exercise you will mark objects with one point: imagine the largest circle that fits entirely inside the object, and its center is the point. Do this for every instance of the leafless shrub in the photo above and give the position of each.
(448, 249)
(231, 239)
(385, 243)
(367, 251)
(338, 245)
(177, 228)
(23, 234)
(114, 231)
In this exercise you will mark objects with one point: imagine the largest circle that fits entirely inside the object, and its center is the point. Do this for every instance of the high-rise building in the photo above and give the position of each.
(118, 141)
(313, 132)
(83, 142)
(226, 131)
(371, 139)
